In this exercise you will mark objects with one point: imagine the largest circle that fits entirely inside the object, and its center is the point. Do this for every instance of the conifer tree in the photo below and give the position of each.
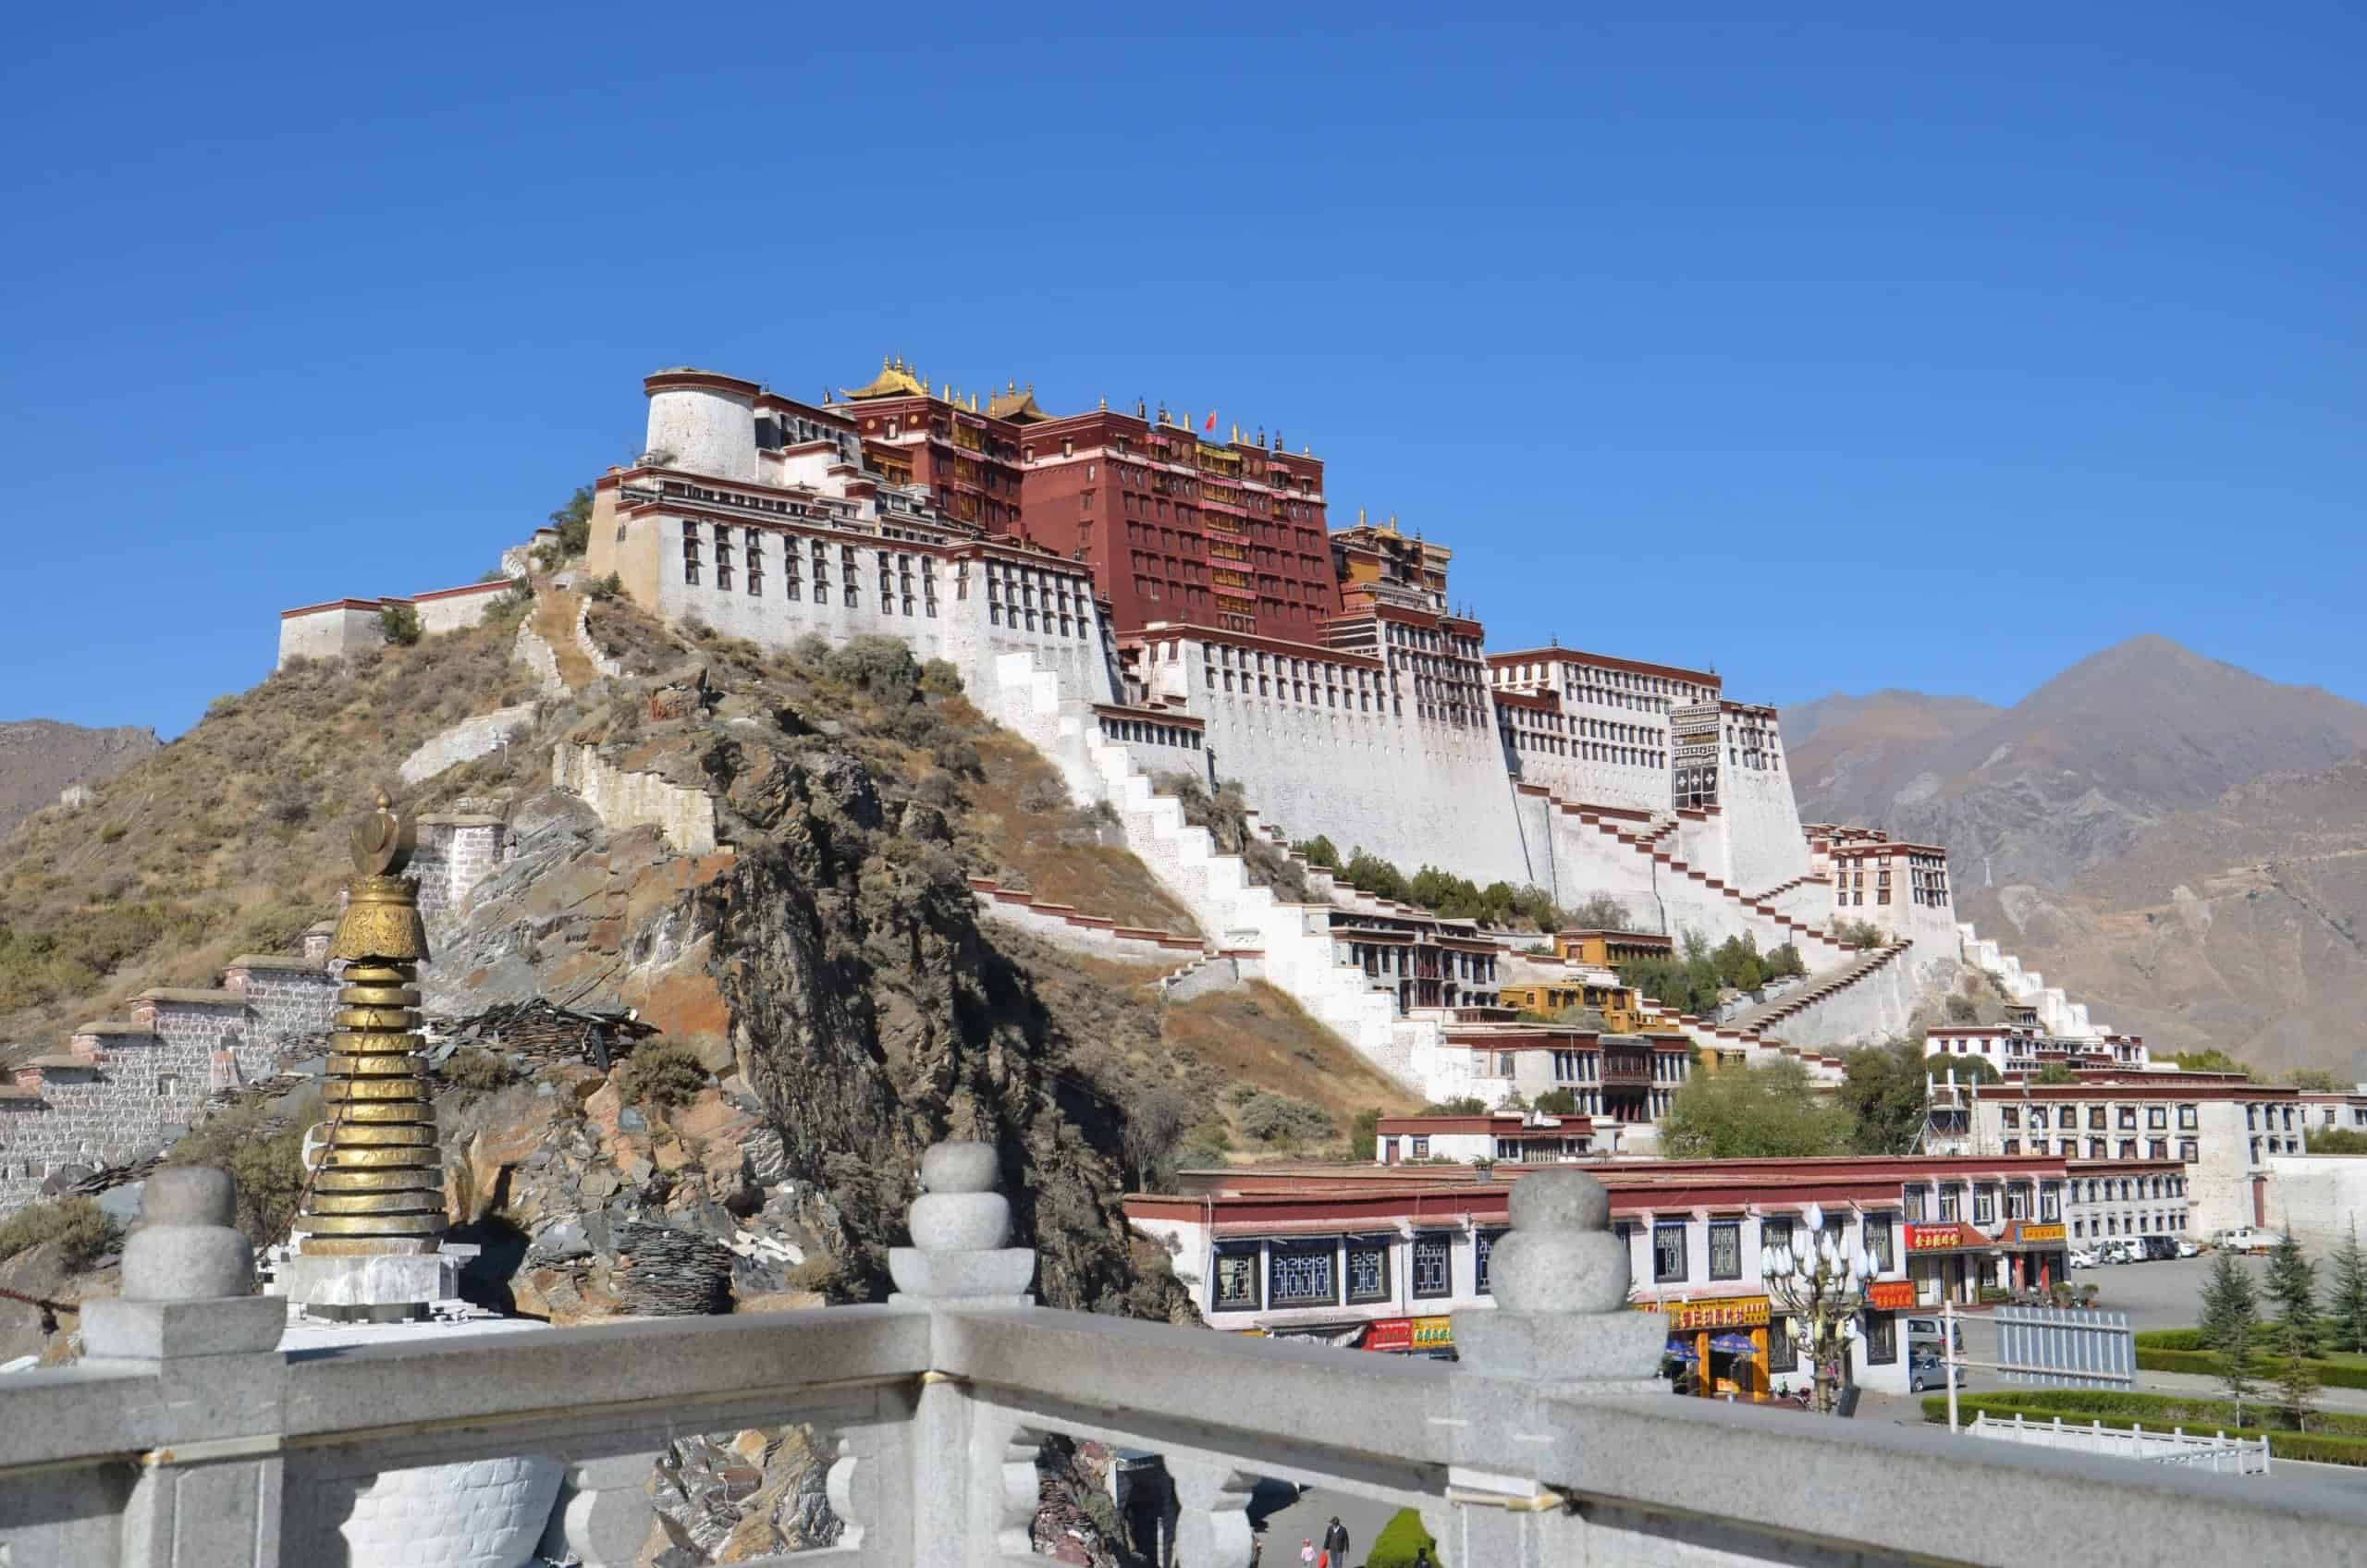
(2229, 1303)
(2293, 1287)
(2347, 1301)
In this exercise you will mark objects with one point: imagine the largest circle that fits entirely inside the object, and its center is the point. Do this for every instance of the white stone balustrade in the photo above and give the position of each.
(1547, 1447)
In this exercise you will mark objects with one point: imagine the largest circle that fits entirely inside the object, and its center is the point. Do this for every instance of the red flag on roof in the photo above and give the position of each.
(1211, 424)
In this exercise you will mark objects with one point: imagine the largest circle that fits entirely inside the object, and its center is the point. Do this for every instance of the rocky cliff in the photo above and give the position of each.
(39, 758)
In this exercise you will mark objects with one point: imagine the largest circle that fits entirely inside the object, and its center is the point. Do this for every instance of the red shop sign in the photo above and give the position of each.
(1933, 1238)
(1389, 1333)
(1891, 1295)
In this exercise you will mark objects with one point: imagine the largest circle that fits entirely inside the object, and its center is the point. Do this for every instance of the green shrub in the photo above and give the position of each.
(2339, 1374)
(78, 1226)
(664, 1074)
(883, 667)
(1398, 1541)
(268, 1165)
(113, 833)
(400, 625)
(1282, 1121)
(940, 679)
(606, 587)
(509, 608)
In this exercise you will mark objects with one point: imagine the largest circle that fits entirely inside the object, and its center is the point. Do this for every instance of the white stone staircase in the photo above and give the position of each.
(2057, 1013)
(1215, 886)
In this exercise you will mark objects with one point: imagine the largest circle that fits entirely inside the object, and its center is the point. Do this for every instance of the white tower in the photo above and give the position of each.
(702, 422)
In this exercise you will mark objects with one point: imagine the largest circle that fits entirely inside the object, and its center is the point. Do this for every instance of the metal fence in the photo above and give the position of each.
(2200, 1451)
(2066, 1348)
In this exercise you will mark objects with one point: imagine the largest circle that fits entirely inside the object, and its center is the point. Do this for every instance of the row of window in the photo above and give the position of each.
(1148, 733)
(1947, 1205)
(1671, 1244)
(2156, 1223)
(2157, 1117)
(1339, 1271)
(2189, 1149)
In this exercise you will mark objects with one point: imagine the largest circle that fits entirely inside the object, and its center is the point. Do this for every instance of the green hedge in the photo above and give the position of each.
(2170, 1339)
(2343, 1372)
(2315, 1447)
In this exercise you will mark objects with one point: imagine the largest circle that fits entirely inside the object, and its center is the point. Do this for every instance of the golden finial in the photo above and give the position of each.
(1361, 517)
(1011, 388)
(1105, 404)
(382, 841)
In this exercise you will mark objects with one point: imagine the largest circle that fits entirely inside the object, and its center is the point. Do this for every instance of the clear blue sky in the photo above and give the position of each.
(1847, 349)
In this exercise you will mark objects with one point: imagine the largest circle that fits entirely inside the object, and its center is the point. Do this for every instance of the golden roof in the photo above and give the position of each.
(896, 379)
(1015, 405)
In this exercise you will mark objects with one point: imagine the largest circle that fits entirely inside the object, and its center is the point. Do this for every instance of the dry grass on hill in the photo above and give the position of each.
(232, 838)
(1257, 1034)
(1022, 809)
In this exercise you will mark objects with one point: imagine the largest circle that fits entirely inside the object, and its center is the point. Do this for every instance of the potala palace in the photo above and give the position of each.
(1191, 609)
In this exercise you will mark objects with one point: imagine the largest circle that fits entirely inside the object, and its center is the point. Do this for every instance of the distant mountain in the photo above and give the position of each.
(2071, 775)
(39, 757)
(2176, 841)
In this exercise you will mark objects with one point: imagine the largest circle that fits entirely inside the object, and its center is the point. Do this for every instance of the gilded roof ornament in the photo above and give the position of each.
(896, 379)
(384, 840)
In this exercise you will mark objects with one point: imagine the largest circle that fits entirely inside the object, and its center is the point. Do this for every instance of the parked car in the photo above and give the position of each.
(2082, 1258)
(1926, 1370)
(2158, 1248)
(2118, 1252)
(2246, 1238)
(1923, 1338)
(2190, 1249)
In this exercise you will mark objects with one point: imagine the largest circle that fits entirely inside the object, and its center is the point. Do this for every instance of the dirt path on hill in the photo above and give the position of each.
(554, 614)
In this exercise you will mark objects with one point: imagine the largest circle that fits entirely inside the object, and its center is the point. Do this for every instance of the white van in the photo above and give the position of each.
(2244, 1238)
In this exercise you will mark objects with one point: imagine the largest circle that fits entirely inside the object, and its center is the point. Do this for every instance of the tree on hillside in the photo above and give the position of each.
(2231, 1324)
(1319, 851)
(1558, 1102)
(2208, 1062)
(2055, 1073)
(573, 521)
(1752, 1113)
(2347, 1295)
(2315, 1081)
(1601, 913)
(1885, 1096)
(2336, 1140)
(1154, 1125)
(1784, 963)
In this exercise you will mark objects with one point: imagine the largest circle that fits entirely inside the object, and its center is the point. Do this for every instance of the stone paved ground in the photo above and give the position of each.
(1290, 1522)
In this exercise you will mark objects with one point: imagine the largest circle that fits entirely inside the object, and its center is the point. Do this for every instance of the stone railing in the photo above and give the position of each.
(190, 1435)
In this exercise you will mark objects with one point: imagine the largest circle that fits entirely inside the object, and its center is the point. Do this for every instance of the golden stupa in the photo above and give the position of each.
(379, 1185)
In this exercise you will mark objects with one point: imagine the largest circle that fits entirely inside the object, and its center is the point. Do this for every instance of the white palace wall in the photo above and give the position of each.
(1760, 823)
(1415, 793)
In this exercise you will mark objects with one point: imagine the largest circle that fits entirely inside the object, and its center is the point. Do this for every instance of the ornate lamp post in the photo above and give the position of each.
(1821, 1285)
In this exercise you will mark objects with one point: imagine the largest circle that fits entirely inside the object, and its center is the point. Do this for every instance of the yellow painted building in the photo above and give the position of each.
(1617, 1004)
(1608, 949)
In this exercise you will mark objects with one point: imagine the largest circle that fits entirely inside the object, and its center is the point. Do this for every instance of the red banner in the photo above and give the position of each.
(1389, 1333)
(1934, 1238)
(1891, 1295)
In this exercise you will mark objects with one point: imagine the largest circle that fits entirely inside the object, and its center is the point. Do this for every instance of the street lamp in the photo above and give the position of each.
(1821, 1285)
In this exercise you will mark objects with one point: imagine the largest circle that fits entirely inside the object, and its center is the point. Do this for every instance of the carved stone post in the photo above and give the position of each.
(1212, 1527)
(1563, 1329)
(957, 1258)
(189, 1316)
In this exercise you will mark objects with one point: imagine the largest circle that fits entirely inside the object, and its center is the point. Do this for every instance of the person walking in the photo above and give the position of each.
(1335, 1543)
(1421, 1557)
(1306, 1553)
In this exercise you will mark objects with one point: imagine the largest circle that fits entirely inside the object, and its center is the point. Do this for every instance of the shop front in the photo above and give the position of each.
(2037, 1251)
(1432, 1337)
(1950, 1262)
(1717, 1347)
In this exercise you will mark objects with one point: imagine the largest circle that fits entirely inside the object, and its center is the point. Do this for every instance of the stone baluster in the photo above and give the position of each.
(189, 1317)
(604, 1516)
(1562, 1329)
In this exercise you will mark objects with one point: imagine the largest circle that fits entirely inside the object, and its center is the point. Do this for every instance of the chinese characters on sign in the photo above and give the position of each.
(1891, 1295)
(2035, 1235)
(1934, 1238)
(1733, 1312)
